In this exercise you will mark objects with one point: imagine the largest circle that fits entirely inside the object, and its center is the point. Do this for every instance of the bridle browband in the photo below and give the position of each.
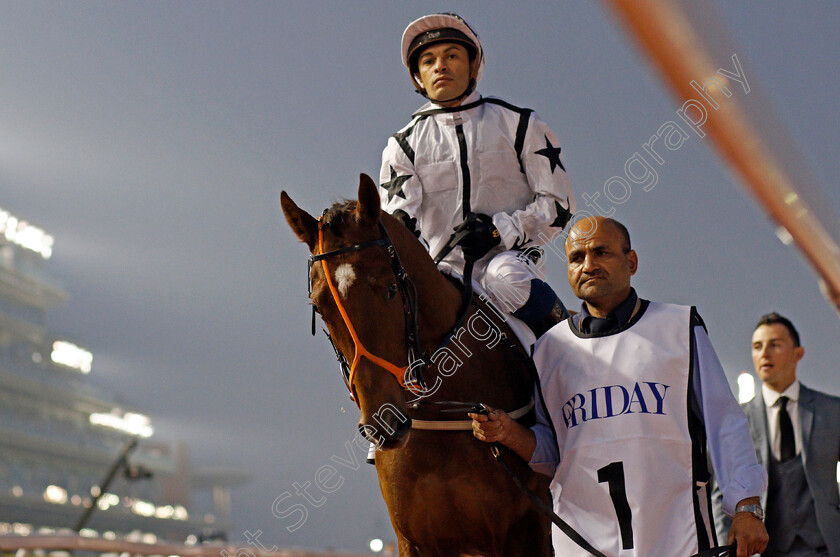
(410, 376)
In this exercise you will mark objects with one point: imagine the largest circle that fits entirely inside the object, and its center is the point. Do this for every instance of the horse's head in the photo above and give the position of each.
(355, 289)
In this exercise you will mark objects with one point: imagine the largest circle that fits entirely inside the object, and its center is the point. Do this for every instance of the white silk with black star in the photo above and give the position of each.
(492, 158)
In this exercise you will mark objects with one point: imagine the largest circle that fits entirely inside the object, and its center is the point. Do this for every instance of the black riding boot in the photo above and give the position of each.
(557, 314)
(534, 313)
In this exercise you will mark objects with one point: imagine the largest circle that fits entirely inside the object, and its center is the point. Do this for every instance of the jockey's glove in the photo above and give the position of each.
(408, 221)
(481, 238)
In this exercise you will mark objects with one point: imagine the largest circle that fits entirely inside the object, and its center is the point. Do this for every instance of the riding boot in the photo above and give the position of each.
(557, 314)
(543, 309)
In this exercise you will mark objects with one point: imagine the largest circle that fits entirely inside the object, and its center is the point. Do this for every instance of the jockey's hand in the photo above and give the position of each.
(482, 237)
(748, 531)
(408, 221)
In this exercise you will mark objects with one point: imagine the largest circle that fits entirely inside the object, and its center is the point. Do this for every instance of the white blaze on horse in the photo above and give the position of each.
(392, 314)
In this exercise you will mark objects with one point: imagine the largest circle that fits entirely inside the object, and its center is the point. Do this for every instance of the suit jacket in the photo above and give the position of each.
(819, 420)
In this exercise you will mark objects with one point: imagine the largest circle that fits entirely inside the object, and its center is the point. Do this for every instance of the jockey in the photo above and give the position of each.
(480, 163)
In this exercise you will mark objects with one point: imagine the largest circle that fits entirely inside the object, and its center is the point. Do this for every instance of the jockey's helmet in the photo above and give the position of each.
(437, 28)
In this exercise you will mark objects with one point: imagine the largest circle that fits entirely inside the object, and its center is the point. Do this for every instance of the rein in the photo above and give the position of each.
(463, 425)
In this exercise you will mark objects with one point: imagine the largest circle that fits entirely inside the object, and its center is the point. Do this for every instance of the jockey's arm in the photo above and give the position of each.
(553, 200)
(400, 190)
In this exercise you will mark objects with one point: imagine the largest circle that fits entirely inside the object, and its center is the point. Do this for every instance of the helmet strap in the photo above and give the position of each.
(470, 88)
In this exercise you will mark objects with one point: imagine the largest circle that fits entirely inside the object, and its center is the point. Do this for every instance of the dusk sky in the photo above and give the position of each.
(152, 140)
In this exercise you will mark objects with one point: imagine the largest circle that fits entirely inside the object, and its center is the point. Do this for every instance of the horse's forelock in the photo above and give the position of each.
(340, 215)
(336, 215)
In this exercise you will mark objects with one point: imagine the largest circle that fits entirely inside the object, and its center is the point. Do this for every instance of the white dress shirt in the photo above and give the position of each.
(772, 406)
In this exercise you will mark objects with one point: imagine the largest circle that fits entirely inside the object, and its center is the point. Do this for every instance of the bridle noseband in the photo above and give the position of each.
(410, 376)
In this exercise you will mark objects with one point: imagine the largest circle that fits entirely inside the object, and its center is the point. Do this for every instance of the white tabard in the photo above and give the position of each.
(619, 405)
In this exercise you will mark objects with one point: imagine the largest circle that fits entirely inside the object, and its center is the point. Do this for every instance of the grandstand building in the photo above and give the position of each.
(60, 437)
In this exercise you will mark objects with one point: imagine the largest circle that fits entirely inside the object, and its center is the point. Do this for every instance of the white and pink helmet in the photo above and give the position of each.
(436, 28)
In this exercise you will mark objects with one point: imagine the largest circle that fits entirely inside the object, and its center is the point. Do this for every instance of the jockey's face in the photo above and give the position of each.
(444, 72)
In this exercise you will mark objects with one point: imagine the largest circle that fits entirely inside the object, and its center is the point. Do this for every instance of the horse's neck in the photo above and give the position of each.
(491, 373)
(438, 300)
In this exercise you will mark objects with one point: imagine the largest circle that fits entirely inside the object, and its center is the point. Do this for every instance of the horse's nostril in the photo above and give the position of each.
(370, 433)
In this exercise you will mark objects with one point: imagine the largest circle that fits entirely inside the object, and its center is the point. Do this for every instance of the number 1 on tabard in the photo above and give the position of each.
(613, 475)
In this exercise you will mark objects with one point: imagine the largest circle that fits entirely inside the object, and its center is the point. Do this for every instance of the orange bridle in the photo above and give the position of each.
(359, 348)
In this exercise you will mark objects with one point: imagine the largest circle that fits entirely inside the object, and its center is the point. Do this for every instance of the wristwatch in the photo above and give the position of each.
(754, 509)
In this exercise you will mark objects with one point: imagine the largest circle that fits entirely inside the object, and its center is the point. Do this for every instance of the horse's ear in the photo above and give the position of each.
(367, 210)
(303, 224)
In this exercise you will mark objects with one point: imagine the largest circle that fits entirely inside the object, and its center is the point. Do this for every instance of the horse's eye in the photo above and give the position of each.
(391, 293)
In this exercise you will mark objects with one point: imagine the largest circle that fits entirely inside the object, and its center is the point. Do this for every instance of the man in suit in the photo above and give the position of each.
(796, 433)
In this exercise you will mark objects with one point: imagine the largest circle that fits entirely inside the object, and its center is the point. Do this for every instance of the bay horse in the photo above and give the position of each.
(375, 286)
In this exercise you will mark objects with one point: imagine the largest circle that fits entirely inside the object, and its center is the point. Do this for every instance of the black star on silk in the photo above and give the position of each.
(563, 214)
(394, 186)
(520, 243)
(552, 153)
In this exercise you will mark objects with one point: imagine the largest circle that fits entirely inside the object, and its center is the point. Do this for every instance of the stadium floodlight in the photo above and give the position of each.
(68, 354)
(746, 387)
(25, 235)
